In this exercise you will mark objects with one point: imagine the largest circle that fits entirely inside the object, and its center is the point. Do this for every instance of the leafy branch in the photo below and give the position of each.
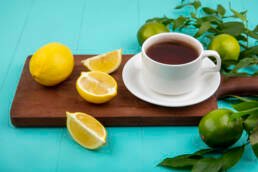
(208, 22)
(205, 160)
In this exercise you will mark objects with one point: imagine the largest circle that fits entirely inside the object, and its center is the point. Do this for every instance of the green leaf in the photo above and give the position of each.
(241, 38)
(214, 31)
(245, 105)
(255, 29)
(239, 114)
(239, 15)
(251, 122)
(207, 164)
(181, 161)
(210, 36)
(204, 151)
(243, 12)
(164, 20)
(185, 160)
(221, 10)
(212, 19)
(243, 46)
(255, 73)
(208, 10)
(230, 74)
(250, 51)
(232, 28)
(179, 22)
(196, 4)
(252, 34)
(204, 28)
(193, 15)
(243, 99)
(231, 157)
(246, 62)
(182, 5)
(254, 140)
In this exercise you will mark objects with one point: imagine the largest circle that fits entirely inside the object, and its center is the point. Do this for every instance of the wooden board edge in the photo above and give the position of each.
(108, 122)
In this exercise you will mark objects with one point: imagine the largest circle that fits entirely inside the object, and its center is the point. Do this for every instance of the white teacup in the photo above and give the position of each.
(176, 79)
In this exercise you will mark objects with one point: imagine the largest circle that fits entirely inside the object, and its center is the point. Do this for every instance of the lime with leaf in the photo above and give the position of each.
(218, 130)
(208, 24)
(225, 30)
(227, 46)
(149, 29)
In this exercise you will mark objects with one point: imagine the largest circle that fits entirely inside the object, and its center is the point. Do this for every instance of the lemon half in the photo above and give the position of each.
(96, 87)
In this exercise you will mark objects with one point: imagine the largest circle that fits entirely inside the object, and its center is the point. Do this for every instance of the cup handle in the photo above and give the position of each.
(212, 53)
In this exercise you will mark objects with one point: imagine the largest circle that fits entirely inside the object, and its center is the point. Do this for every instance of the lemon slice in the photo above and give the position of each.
(107, 62)
(86, 130)
(96, 87)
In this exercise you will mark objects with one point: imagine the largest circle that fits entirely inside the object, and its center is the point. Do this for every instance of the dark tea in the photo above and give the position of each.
(172, 52)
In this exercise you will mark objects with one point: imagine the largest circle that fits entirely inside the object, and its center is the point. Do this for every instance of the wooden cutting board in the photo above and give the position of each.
(36, 106)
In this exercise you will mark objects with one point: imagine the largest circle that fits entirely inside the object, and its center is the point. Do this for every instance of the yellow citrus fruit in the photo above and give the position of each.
(149, 29)
(96, 87)
(227, 46)
(86, 130)
(107, 62)
(51, 64)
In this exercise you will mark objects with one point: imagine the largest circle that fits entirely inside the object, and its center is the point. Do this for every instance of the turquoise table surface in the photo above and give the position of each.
(88, 26)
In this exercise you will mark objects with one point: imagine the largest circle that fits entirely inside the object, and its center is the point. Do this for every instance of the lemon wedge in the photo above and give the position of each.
(86, 130)
(107, 62)
(96, 87)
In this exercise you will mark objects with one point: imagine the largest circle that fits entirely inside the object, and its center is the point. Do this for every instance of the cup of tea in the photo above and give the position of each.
(172, 63)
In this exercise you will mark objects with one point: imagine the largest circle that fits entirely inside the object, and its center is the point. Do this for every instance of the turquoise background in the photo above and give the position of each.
(88, 26)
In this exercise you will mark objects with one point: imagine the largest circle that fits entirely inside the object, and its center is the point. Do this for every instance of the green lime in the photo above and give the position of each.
(149, 29)
(227, 46)
(217, 130)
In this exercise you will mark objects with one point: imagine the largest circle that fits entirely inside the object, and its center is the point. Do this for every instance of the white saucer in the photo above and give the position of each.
(206, 87)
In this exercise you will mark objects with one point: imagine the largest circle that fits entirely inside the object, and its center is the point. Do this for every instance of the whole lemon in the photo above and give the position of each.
(227, 46)
(51, 64)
